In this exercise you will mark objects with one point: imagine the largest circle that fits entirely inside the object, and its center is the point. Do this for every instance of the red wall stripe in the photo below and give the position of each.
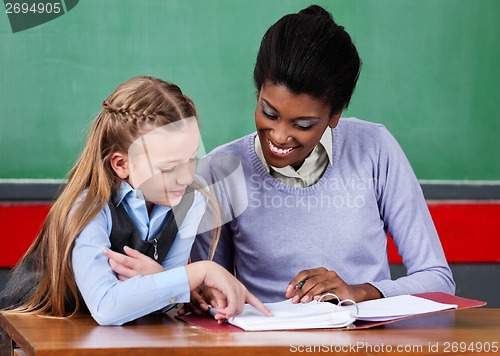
(19, 225)
(469, 232)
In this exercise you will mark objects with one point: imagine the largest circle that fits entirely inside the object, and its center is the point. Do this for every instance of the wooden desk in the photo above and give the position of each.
(437, 334)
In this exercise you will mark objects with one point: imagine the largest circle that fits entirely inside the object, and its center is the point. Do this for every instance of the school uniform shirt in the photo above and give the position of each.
(115, 302)
(340, 222)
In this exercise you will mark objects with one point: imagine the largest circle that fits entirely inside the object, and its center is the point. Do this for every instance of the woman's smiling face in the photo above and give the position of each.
(290, 125)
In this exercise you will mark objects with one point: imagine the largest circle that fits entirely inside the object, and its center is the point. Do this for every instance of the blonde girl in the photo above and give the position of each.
(131, 187)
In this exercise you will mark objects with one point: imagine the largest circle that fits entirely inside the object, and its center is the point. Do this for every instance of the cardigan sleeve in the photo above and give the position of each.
(407, 219)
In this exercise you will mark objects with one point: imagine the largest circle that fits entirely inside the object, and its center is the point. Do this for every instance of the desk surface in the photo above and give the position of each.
(441, 333)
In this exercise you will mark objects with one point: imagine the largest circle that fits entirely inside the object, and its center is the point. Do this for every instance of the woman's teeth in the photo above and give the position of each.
(278, 150)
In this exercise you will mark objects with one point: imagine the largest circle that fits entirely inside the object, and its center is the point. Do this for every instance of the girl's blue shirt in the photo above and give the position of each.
(115, 302)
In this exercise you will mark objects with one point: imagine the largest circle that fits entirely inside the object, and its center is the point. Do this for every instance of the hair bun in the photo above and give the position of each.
(315, 10)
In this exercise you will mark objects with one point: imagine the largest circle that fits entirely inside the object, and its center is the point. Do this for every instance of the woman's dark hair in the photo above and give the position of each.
(310, 54)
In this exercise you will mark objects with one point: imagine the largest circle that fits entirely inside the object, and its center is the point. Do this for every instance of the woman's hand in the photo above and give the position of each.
(132, 264)
(311, 284)
(230, 294)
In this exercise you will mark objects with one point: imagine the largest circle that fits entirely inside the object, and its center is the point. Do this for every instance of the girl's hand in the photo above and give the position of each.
(134, 263)
(229, 294)
(201, 298)
(311, 284)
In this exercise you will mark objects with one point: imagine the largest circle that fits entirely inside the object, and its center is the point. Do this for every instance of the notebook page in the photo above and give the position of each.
(289, 316)
(397, 307)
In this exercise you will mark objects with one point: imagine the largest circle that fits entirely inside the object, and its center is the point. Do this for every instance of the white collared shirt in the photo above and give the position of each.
(311, 170)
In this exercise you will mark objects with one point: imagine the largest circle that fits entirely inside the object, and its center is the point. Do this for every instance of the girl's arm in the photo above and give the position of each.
(230, 294)
(113, 301)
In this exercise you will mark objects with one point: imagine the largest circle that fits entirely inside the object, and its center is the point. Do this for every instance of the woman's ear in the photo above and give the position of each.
(119, 163)
(334, 120)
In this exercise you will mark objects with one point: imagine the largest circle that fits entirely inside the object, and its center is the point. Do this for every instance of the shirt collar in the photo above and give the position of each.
(135, 203)
(325, 141)
(126, 190)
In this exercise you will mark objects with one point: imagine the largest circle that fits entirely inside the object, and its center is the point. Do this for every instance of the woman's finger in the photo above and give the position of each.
(300, 280)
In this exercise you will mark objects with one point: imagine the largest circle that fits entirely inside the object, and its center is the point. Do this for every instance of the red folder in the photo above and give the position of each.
(207, 322)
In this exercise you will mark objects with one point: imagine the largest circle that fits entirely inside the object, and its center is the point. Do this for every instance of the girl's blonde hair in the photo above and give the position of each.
(134, 108)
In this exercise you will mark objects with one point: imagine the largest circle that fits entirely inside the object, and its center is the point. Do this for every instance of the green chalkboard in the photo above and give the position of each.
(430, 74)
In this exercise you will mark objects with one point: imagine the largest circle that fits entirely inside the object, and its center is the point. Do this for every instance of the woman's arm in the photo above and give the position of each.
(405, 216)
(407, 219)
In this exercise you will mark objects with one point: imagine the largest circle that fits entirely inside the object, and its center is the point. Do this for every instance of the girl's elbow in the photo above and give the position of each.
(107, 320)
(105, 315)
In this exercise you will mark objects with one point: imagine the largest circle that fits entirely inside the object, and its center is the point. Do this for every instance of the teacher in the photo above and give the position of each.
(321, 192)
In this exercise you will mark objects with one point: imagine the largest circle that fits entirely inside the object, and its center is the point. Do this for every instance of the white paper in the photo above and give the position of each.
(398, 307)
(289, 316)
(320, 315)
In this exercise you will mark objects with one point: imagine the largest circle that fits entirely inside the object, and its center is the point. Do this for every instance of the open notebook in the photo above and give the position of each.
(322, 315)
